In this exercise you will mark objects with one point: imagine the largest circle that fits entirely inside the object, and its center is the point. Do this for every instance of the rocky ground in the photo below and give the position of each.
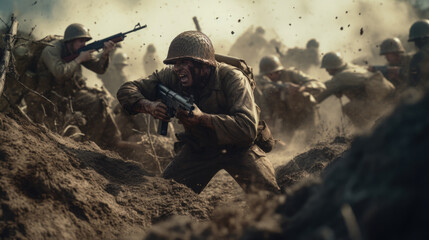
(54, 188)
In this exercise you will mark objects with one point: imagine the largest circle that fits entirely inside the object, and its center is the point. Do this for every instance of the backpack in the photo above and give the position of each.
(264, 138)
(241, 65)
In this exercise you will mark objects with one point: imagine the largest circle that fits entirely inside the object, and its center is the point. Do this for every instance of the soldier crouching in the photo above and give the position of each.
(222, 130)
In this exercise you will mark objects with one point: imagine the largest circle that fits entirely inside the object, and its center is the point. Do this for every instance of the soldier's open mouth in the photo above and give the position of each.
(184, 79)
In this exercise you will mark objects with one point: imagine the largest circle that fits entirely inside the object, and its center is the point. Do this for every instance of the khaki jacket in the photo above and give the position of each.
(228, 96)
(64, 78)
(278, 103)
(349, 81)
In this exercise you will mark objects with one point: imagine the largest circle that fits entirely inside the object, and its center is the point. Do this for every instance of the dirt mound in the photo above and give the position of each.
(311, 163)
(376, 190)
(54, 188)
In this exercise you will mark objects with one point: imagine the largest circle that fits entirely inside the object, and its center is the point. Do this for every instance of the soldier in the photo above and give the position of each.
(151, 60)
(250, 45)
(419, 67)
(63, 85)
(365, 90)
(302, 59)
(287, 95)
(311, 54)
(398, 63)
(222, 130)
(114, 77)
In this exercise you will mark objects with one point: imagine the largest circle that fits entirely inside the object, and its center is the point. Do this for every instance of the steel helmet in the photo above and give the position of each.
(75, 31)
(269, 64)
(418, 30)
(332, 60)
(391, 45)
(192, 45)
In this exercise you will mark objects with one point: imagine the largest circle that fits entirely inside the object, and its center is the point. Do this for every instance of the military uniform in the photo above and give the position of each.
(402, 81)
(353, 81)
(62, 83)
(419, 69)
(151, 60)
(228, 97)
(296, 110)
(393, 47)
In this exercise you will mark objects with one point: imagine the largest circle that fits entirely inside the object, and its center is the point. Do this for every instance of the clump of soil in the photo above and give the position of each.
(55, 188)
(377, 190)
(311, 163)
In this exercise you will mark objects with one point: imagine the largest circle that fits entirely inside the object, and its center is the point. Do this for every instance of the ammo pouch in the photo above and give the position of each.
(264, 138)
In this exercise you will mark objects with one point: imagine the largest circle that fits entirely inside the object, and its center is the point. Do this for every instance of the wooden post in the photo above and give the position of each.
(9, 41)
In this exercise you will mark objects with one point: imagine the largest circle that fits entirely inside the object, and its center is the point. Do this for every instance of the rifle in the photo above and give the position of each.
(100, 43)
(279, 52)
(383, 69)
(197, 24)
(173, 101)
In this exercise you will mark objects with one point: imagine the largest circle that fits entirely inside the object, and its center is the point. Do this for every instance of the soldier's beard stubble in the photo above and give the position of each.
(200, 76)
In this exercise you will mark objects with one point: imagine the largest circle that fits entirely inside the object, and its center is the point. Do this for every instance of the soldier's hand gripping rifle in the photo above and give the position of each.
(97, 45)
(173, 101)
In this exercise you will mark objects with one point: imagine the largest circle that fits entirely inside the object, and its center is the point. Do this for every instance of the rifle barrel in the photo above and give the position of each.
(135, 29)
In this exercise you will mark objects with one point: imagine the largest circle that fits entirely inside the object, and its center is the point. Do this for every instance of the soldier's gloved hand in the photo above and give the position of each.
(108, 47)
(84, 56)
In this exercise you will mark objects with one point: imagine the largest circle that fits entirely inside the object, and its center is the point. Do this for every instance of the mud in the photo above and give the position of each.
(374, 190)
(54, 188)
(371, 187)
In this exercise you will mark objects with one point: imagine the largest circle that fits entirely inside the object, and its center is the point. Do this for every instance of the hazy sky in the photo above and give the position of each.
(336, 24)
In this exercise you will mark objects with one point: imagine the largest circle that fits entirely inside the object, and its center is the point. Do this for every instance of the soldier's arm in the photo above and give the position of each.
(131, 95)
(340, 83)
(310, 84)
(51, 56)
(239, 125)
(98, 65)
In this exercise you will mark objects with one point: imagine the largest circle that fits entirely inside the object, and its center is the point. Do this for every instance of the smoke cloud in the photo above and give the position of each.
(336, 24)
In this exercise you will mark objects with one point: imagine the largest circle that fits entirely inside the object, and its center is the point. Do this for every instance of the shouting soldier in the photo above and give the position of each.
(223, 128)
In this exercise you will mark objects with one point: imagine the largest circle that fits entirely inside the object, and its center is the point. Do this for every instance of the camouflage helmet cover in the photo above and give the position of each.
(192, 45)
(269, 64)
(332, 60)
(391, 45)
(419, 30)
(75, 31)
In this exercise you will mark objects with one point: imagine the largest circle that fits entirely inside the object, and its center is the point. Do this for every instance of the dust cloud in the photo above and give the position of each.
(353, 27)
(336, 24)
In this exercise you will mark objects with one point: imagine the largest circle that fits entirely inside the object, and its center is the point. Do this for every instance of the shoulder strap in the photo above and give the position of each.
(240, 65)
